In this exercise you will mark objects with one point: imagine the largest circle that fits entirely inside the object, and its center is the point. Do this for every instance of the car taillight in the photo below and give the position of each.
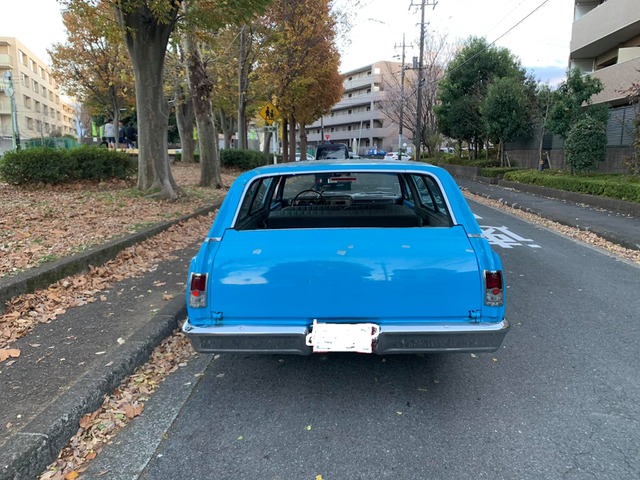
(198, 290)
(493, 288)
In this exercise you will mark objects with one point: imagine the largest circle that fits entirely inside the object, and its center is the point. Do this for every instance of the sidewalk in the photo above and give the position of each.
(616, 221)
(68, 365)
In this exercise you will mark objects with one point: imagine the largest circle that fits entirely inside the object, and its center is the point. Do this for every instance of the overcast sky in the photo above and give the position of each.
(541, 41)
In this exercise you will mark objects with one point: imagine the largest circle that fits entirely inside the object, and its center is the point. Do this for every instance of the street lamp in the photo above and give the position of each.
(9, 91)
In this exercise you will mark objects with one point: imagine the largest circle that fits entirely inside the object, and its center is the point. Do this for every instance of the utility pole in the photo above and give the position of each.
(401, 98)
(418, 136)
(14, 111)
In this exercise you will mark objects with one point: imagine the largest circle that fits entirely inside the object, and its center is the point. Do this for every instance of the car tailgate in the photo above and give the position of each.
(383, 275)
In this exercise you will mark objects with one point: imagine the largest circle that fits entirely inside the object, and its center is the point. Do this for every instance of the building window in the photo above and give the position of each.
(34, 86)
(22, 57)
(27, 101)
(30, 123)
(33, 65)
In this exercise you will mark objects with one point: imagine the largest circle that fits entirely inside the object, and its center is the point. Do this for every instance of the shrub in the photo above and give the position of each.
(242, 159)
(233, 158)
(51, 165)
(34, 165)
(586, 145)
(496, 172)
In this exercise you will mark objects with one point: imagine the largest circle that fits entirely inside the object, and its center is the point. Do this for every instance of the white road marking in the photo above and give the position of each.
(505, 238)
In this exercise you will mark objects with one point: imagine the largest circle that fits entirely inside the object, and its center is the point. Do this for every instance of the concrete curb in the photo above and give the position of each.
(41, 277)
(35, 446)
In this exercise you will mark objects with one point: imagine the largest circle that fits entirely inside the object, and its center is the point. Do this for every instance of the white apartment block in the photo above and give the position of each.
(605, 42)
(41, 111)
(357, 119)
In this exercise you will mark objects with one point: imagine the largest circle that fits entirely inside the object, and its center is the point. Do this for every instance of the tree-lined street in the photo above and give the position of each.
(556, 401)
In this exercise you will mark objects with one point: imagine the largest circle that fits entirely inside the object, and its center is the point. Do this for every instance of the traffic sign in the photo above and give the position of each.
(327, 136)
(269, 112)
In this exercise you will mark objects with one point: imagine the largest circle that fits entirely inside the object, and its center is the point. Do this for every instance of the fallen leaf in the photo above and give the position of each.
(121, 341)
(167, 296)
(71, 475)
(9, 353)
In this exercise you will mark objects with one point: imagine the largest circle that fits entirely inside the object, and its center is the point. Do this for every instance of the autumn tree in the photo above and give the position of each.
(93, 65)
(178, 89)
(300, 54)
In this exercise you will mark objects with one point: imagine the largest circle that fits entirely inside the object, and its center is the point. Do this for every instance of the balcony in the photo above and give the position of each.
(616, 80)
(605, 28)
(5, 60)
(357, 83)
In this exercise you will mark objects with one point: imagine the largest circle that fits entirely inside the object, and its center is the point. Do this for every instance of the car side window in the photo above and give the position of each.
(255, 197)
(430, 193)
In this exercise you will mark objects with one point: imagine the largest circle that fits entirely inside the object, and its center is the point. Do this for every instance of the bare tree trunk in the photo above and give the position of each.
(201, 87)
(228, 128)
(285, 141)
(267, 143)
(185, 119)
(303, 142)
(146, 38)
(242, 92)
(292, 138)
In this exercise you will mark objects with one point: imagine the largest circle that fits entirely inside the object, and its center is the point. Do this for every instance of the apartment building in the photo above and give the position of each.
(357, 119)
(41, 112)
(605, 42)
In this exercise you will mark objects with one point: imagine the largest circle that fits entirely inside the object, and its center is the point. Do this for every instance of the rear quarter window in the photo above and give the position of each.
(255, 198)
(431, 196)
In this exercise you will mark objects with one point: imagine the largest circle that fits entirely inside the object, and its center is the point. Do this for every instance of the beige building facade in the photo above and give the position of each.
(357, 119)
(605, 42)
(41, 111)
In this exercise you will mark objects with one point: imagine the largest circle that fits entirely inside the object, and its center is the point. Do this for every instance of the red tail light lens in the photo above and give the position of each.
(197, 290)
(494, 292)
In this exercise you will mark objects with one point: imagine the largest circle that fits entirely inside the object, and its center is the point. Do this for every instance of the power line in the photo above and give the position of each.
(501, 36)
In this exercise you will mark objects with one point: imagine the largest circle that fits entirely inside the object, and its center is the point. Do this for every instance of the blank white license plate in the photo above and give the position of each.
(343, 337)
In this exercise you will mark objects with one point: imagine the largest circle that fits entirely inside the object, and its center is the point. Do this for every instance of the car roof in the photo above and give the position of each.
(363, 164)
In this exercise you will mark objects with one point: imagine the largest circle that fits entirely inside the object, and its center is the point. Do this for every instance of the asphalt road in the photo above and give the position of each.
(558, 400)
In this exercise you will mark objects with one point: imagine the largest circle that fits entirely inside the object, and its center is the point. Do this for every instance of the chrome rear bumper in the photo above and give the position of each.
(443, 338)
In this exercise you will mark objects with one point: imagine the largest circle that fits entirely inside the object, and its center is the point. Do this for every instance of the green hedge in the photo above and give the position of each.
(232, 158)
(618, 186)
(496, 172)
(51, 165)
(242, 159)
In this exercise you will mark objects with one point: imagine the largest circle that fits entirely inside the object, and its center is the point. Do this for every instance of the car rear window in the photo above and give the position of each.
(343, 199)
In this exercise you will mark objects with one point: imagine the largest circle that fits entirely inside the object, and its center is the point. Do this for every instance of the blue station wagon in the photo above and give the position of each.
(295, 263)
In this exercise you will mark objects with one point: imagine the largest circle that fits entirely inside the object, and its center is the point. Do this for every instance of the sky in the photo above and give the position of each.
(541, 41)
